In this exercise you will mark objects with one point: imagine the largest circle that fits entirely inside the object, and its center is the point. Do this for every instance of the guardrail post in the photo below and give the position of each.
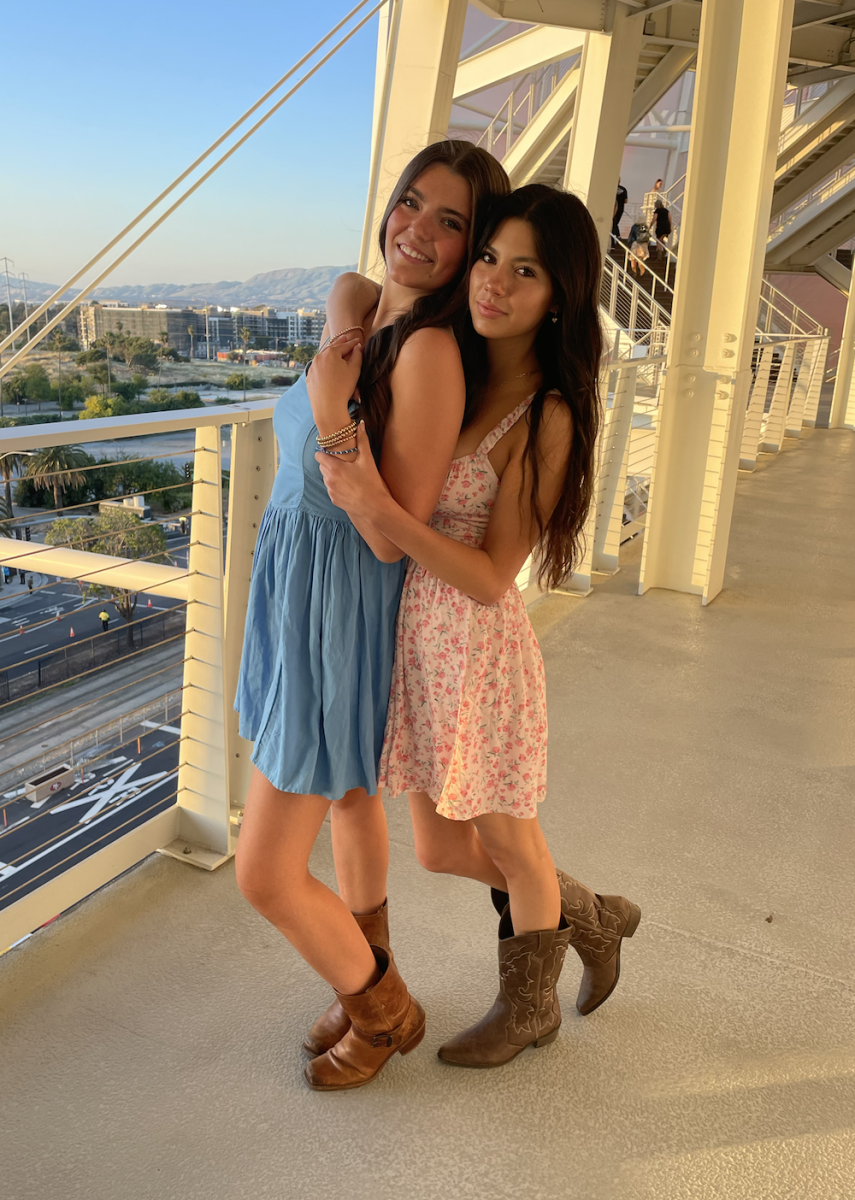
(815, 388)
(754, 415)
(807, 370)
(204, 837)
(610, 490)
(773, 434)
(253, 470)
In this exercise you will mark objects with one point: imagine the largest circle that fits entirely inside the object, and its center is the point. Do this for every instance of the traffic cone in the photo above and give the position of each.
(149, 603)
(59, 616)
(71, 631)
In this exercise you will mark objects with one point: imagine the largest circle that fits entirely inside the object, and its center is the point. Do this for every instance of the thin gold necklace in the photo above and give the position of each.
(492, 386)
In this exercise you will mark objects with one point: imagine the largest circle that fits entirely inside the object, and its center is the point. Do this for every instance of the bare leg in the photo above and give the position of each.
(360, 842)
(272, 860)
(519, 851)
(451, 847)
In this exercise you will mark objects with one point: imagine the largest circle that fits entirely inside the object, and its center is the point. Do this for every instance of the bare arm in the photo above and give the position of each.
(421, 432)
(484, 574)
(351, 302)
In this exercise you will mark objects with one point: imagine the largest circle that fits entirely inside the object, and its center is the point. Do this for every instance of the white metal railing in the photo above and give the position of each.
(521, 106)
(784, 397)
(821, 194)
(633, 308)
(779, 314)
(197, 825)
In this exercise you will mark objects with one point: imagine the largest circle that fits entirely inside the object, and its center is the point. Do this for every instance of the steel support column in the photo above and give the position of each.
(204, 832)
(413, 105)
(741, 75)
(843, 399)
(251, 481)
(600, 119)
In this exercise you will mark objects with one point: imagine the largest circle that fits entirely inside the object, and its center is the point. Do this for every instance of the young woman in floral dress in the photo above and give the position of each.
(466, 732)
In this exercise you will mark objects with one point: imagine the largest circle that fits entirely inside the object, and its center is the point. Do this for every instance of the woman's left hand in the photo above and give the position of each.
(356, 486)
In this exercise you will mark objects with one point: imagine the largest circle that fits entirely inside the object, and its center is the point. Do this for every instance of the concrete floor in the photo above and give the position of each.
(701, 762)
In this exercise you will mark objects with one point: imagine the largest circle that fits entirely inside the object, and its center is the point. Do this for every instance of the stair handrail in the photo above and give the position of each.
(507, 125)
(826, 188)
(800, 322)
(670, 257)
(796, 128)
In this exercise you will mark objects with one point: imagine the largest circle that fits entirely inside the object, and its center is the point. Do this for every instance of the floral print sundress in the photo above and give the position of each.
(467, 714)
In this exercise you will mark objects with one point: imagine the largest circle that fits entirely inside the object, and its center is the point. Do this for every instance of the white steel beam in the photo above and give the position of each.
(843, 399)
(205, 838)
(567, 14)
(834, 272)
(415, 102)
(528, 51)
(663, 76)
(544, 134)
(754, 415)
(600, 120)
(829, 160)
(250, 484)
(102, 569)
(741, 75)
(776, 419)
(610, 490)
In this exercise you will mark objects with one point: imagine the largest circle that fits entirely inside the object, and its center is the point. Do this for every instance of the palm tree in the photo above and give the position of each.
(57, 342)
(245, 335)
(191, 329)
(164, 342)
(57, 467)
(10, 465)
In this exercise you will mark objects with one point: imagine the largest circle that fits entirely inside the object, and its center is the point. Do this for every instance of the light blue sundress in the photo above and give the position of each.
(319, 643)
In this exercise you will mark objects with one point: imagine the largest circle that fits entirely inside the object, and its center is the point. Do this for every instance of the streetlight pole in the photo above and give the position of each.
(6, 262)
(23, 278)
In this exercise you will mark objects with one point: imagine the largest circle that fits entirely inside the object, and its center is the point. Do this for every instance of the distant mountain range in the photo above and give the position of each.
(290, 288)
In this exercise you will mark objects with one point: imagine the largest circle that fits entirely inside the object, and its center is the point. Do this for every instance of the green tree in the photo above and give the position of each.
(100, 372)
(36, 383)
(245, 335)
(96, 407)
(304, 354)
(85, 357)
(59, 341)
(162, 351)
(57, 467)
(120, 534)
(11, 464)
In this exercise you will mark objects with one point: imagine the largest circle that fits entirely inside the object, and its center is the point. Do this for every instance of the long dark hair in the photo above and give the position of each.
(569, 353)
(448, 305)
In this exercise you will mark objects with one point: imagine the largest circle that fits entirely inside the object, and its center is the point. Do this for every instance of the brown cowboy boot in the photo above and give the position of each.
(384, 1020)
(333, 1024)
(526, 1011)
(597, 925)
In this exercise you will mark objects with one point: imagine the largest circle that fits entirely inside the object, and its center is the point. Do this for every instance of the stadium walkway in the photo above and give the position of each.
(702, 762)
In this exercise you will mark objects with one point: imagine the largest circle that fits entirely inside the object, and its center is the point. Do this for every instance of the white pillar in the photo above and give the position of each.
(204, 837)
(741, 74)
(251, 481)
(603, 102)
(843, 400)
(413, 104)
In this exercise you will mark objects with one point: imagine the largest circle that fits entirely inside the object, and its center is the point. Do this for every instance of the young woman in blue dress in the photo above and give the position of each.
(466, 732)
(318, 652)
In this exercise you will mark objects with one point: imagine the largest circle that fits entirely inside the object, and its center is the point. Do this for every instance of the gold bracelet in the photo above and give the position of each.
(333, 337)
(340, 435)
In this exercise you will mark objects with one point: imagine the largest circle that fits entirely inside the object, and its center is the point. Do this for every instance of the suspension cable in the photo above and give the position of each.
(72, 304)
(60, 291)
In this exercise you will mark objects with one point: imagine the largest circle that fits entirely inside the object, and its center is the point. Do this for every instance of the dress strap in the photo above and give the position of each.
(504, 425)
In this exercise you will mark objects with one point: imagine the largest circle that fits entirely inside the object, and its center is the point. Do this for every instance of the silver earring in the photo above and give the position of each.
(555, 318)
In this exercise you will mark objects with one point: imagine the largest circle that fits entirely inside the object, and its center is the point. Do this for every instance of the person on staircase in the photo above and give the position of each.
(661, 223)
(620, 204)
(639, 248)
(466, 732)
(318, 651)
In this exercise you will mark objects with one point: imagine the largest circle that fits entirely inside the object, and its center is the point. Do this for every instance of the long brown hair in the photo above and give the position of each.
(448, 305)
(569, 352)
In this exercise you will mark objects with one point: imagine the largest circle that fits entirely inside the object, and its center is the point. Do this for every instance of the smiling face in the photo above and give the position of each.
(510, 291)
(427, 234)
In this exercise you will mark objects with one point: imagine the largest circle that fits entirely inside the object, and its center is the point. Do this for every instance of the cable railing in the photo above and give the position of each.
(518, 111)
(98, 752)
(822, 193)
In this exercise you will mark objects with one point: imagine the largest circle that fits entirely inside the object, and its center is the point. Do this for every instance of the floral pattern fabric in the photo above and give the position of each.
(467, 714)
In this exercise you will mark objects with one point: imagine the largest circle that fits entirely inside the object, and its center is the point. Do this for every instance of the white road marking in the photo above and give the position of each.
(154, 725)
(6, 872)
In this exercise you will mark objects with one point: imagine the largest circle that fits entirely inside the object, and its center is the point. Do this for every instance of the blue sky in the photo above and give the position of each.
(105, 104)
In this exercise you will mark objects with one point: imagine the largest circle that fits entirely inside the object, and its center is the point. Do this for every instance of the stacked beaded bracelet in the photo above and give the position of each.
(333, 337)
(338, 453)
(328, 440)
